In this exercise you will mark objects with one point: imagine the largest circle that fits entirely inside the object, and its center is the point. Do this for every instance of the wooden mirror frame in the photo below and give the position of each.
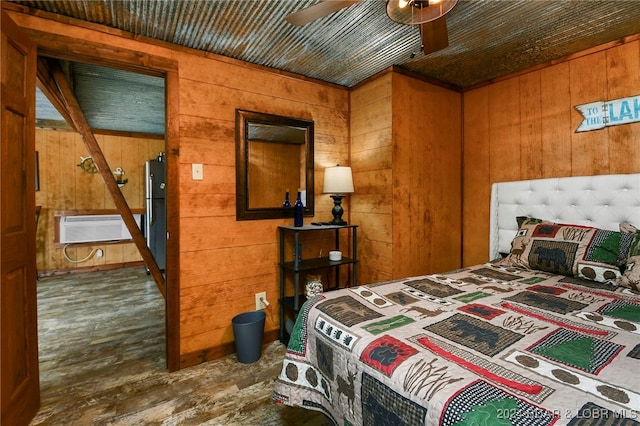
(243, 211)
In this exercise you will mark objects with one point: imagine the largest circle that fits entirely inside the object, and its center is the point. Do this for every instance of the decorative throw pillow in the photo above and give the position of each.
(565, 249)
(631, 276)
(313, 287)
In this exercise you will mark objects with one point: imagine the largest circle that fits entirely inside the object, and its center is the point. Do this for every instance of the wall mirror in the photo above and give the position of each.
(274, 154)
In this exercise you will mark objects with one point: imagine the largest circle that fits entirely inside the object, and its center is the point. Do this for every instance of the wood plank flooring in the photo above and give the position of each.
(102, 362)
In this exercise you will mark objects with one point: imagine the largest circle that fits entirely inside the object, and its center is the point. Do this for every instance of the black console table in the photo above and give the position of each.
(297, 264)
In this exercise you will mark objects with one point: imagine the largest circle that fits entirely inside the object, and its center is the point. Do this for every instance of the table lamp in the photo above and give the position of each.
(338, 181)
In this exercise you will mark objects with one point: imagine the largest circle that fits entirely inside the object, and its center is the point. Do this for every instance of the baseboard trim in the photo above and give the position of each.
(209, 354)
(94, 268)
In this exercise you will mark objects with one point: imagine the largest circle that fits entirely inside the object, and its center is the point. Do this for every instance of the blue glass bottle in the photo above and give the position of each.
(286, 203)
(298, 211)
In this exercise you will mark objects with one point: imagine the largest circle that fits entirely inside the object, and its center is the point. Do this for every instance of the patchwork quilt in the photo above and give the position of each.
(486, 345)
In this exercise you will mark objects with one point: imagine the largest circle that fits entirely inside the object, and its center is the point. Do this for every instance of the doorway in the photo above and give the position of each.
(119, 103)
(79, 228)
(20, 79)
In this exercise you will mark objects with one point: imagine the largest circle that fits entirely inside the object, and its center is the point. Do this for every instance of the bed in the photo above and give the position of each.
(548, 332)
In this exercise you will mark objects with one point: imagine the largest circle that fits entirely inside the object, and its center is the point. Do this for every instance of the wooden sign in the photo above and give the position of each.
(598, 115)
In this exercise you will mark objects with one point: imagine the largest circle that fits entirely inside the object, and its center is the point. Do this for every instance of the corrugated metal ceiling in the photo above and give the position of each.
(487, 38)
(111, 99)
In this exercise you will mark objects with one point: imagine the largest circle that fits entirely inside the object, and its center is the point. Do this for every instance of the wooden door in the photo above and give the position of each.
(20, 385)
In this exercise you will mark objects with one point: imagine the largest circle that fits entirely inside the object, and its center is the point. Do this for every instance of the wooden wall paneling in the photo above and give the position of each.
(113, 154)
(133, 158)
(402, 162)
(446, 181)
(68, 173)
(208, 130)
(194, 103)
(224, 293)
(201, 233)
(50, 185)
(201, 204)
(327, 147)
(89, 188)
(112, 149)
(70, 177)
(217, 156)
(413, 157)
(330, 141)
(374, 149)
(64, 186)
(476, 182)
(504, 130)
(622, 66)
(426, 177)
(213, 140)
(374, 256)
(602, 75)
(530, 126)
(132, 161)
(371, 162)
(196, 337)
(218, 181)
(261, 82)
(212, 228)
(372, 210)
(372, 90)
(588, 78)
(555, 93)
(221, 302)
(201, 283)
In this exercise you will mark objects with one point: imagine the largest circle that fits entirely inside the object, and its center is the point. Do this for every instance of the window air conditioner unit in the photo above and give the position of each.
(92, 228)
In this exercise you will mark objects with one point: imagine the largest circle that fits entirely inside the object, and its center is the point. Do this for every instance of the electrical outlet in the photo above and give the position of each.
(259, 298)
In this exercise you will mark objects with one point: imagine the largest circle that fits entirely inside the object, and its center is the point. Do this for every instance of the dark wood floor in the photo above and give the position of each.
(102, 361)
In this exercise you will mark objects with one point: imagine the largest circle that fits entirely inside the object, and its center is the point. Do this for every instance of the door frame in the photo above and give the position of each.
(20, 384)
(82, 50)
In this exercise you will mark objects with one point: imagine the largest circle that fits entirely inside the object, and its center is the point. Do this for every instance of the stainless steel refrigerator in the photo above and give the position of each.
(155, 228)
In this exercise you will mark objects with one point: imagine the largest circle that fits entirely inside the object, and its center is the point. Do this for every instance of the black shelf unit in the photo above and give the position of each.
(297, 265)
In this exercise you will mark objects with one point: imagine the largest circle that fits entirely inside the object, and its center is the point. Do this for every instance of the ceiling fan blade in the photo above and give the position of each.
(318, 10)
(434, 35)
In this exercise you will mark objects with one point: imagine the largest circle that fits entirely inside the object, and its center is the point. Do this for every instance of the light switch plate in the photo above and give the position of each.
(196, 172)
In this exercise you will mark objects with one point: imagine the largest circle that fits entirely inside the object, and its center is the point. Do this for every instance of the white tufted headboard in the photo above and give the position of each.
(602, 201)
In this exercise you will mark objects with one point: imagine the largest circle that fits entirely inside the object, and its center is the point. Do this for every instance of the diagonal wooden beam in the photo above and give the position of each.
(80, 122)
(48, 86)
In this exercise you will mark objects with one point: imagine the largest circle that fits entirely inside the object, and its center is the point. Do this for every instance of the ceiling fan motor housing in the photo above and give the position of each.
(421, 11)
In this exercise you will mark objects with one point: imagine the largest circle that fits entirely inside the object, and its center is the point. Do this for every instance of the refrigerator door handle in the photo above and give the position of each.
(149, 202)
(150, 195)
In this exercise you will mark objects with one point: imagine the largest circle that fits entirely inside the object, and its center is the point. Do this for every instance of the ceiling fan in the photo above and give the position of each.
(428, 14)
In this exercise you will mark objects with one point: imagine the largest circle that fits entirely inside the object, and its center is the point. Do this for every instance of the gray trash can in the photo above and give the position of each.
(248, 329)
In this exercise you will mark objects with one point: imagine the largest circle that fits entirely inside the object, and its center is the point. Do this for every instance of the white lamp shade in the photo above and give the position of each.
(338, 180)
